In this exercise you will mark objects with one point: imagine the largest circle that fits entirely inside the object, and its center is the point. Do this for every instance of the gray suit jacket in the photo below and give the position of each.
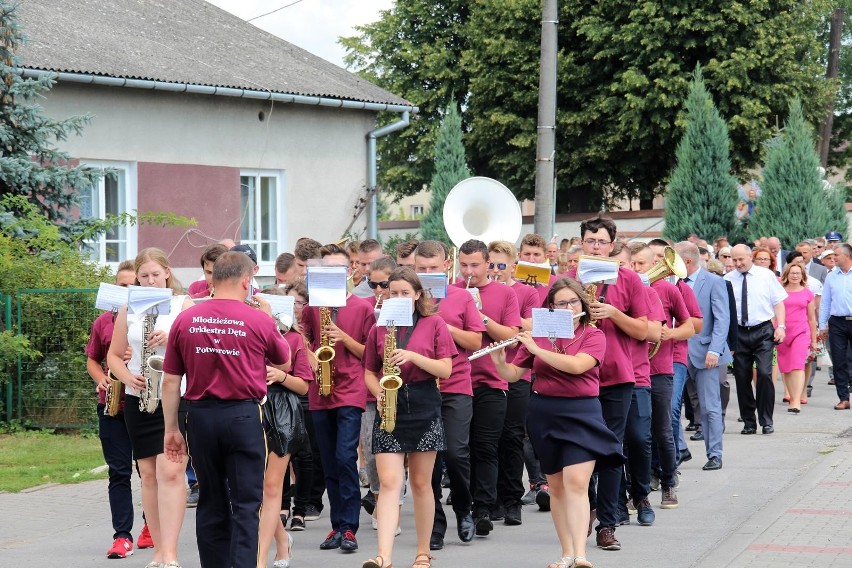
(817, 271)
(712, 295)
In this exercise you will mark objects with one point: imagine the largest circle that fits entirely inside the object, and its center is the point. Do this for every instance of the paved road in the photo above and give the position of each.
(779, 501)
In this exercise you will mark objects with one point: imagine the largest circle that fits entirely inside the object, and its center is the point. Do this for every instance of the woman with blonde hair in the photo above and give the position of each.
(163, 484)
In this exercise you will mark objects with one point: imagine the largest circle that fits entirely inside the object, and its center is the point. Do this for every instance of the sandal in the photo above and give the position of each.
(564, 562)
(427, 563)
(153, 565)
(581, 562)
(377, 562)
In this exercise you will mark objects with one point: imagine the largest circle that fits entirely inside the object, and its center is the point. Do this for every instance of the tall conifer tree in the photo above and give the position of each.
(450, 168)
(702, 194)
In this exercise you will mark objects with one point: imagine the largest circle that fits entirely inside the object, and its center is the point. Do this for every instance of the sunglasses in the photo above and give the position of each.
(499, 266)
(373, 285)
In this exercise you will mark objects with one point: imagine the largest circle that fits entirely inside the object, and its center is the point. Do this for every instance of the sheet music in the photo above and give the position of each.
(644, 278)
(597, 269)
(477, 299)
(111, 297)
(143, 299)
(400, 311)
(279, 304)
(552, 324)
(327, 286)
(532, 273)
(435, 282)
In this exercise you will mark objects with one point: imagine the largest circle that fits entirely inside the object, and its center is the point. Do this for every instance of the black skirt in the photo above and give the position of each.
(419, 427)
(283, 421)
(568, 431)
(146, 430)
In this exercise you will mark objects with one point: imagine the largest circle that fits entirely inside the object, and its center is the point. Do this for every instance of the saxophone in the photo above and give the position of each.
(389, 383)
(325, 355)
(113, 395)
(152, 369)
(592, 297)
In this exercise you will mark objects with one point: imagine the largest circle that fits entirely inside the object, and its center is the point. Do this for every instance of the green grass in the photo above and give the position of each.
(28, 459)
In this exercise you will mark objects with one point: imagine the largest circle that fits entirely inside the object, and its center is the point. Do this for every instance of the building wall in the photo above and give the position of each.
(191, 148)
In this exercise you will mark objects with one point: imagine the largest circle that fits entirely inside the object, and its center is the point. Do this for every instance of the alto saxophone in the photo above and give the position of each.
(389, 383)
(152, 369)
(114, 390)
(591, 293)
(325, 355)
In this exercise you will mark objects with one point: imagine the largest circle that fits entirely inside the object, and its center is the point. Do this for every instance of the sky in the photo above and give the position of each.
(313, 25)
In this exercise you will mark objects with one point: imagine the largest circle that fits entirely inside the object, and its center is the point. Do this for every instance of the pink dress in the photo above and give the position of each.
(793, 351)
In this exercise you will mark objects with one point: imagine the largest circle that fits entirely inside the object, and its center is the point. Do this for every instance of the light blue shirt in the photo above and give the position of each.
(836, 296)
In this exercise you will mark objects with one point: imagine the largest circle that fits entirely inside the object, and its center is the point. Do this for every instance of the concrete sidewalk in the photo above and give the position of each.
(780, 500)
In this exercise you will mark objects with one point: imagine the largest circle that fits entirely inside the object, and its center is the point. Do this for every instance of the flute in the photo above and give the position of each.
(501, 344)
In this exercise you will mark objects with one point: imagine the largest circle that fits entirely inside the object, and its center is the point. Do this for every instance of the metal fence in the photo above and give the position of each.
(53, 390)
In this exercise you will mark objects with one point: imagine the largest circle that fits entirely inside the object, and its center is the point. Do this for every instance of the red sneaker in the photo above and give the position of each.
(145, 540)
(121, 548)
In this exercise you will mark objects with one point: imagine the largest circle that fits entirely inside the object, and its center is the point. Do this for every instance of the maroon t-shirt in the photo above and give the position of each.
(300, 359)
(627, 295)
(552, 382)
(676, 313)
(459, 310)
(430, 338)
(355, 319)
(641, 363)
(98, 346)
(223, 346)
(500, 304)
(680, 351)
(198, 289)
(528, 298)
(543, 291)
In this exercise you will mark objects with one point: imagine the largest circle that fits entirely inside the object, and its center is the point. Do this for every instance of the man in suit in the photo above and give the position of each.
(774, 246)
(708, 349)
(815, 270)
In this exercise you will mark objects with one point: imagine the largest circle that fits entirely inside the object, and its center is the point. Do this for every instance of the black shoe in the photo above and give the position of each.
(768, 429)
(436, 542)
(699, 435)
(483, 524)
(368, 501)
(349, 543)
(297, 524)
(685, 455)
(498, 512)
(713, 463)
(691, 427)
(466, 527)
(543, 500)
(748, 430)
(513, 516)
(332, 541)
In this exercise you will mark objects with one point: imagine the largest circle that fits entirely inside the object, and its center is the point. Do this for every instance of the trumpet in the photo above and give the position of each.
(474, 292)
(505, 343)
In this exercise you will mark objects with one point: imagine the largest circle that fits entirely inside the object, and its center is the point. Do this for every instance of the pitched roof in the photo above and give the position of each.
(182, 41)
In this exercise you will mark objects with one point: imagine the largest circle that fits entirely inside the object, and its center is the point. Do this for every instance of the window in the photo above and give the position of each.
(416, 211)
(113, 194)
(261, 201)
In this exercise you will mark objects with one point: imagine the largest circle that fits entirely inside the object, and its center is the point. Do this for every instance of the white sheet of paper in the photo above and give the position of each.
(279, 304)
(396, 311)
(477, 299)
(143, 299)
(327, 286)
(110, 297)
(592, 270)
(435, 282)
(644, 278)
(555, 324)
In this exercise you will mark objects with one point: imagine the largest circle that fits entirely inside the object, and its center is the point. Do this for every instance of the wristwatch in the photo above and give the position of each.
(485, 321)
(782, 326)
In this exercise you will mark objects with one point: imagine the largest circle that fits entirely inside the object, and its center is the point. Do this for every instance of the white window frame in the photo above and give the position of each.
(130, 205)
(266, 267)
(415, 214)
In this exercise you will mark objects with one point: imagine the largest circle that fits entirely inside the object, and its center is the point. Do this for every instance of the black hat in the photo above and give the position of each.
(247, 250)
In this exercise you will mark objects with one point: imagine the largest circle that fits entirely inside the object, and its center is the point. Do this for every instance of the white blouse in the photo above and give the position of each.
(135, 325)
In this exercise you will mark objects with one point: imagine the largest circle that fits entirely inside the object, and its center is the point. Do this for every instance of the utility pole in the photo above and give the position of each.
(831, 73)
(546, 136)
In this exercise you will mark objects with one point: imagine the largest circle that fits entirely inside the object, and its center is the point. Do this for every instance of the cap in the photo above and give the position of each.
(833, 236)
(825, 253)
(247, 250)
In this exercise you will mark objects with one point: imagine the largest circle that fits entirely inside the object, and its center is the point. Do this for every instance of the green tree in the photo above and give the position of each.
(702, 193)
(450, 168)
(793, 206)
(30, 165)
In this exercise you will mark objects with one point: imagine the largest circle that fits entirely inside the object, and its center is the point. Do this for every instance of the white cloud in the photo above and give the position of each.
(313, 25)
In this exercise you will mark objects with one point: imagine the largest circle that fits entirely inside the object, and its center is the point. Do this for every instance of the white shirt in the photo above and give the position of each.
(764, 293)
(135, 324)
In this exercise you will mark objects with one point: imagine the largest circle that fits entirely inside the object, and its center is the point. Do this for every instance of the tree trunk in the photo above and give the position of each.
(831, 74)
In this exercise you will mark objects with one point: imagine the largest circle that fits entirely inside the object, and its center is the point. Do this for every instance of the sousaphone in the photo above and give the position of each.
(484, 209)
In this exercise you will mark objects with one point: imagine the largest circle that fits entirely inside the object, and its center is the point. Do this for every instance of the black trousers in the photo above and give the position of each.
(456, 412)
(118, 454)
(754, 348)
(228, 446)
(510, 451)
(489, 412)
(840, 340)
(305, 461)
(662, 445)
(615, 406)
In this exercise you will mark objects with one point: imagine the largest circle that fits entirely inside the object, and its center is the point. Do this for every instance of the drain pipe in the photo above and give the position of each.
(372, 202)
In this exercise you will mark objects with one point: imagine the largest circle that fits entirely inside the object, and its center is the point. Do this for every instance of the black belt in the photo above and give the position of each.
(847, 318)
(208, 402)
(758, 326)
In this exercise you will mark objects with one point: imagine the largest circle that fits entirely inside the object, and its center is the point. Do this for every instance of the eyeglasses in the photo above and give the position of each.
(565, 304)
(599, 242)
(300, 303)
(383, 284)
(498, 266)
